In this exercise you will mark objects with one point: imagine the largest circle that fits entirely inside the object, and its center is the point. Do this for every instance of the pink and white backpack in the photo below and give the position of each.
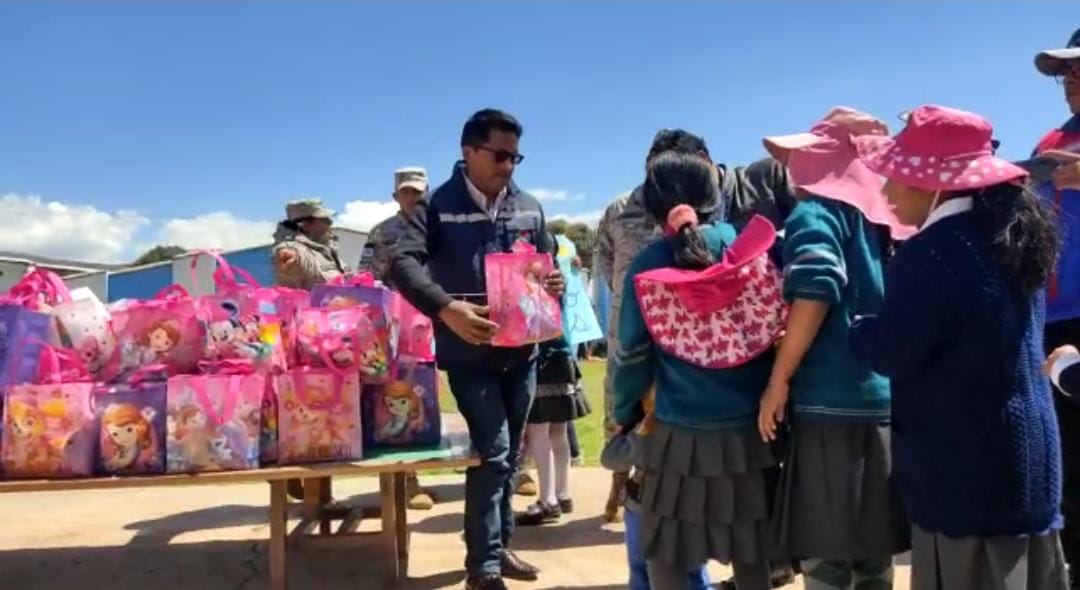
(722, 316)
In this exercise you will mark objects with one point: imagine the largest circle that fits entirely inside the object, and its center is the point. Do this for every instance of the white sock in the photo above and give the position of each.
(560, 449)
(540, 446)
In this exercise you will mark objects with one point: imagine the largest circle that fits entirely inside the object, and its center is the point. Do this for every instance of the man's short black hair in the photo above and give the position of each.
(479, 127)
(676, 140)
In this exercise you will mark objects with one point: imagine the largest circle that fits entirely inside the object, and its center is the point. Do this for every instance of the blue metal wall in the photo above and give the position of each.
(256, 261)
(140, 284)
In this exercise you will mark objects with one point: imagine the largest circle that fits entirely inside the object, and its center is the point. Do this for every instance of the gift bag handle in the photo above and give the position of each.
(227, 367)
(50, 370)
(225, 273)
(232, 392)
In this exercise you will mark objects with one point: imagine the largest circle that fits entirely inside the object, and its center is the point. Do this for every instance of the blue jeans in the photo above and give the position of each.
(639, 574)
(495, 404)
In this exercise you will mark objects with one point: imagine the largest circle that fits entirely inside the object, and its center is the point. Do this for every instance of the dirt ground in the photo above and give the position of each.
(216, 538)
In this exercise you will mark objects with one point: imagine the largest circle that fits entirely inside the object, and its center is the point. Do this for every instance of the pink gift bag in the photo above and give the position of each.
(318, 416)
(241, 320)
(213, 422)
(361, 291)
(268, 417)
(525, 312)
(415, 331)
(49, 426)
(163, 330)
(340, 339)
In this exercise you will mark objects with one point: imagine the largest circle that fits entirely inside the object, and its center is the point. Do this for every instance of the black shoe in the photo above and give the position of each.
(515, 568)
(485, 582)
(566, 506)
(538, 514)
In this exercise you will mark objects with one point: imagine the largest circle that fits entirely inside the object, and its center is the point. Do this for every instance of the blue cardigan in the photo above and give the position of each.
(974, 435)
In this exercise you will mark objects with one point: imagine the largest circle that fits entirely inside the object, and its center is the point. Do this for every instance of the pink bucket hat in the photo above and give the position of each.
(940, 149)
(825, 163)
(723, 316)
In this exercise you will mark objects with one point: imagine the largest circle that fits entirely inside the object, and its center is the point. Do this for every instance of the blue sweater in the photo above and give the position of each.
(686, 395)
(450, 235)
(832, 254)
(974, 434)
(1063, 301)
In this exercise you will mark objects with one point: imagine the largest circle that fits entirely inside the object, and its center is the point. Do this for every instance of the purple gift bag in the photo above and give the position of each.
(131, 428)
(21, 333)
(404, 412)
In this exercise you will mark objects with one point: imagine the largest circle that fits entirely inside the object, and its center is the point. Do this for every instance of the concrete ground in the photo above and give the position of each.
(216, 538)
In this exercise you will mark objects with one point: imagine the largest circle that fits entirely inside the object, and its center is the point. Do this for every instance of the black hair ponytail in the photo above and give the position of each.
(677, 179)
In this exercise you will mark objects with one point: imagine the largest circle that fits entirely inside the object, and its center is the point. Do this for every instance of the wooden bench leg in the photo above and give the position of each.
(316, 496)
(391, 562)
(278, 533)
(401, 530)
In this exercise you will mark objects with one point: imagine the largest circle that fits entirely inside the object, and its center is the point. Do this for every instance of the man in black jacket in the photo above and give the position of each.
(479, 211)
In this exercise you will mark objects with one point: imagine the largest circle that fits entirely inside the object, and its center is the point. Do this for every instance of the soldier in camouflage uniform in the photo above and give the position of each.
(410, 186)
(304, 255)
(626, 228)
(305, 249)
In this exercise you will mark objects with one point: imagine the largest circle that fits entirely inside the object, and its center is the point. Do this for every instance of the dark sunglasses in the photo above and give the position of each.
(502, 155)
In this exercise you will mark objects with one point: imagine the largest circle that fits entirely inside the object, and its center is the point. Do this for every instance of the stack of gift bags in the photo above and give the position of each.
(244, 377)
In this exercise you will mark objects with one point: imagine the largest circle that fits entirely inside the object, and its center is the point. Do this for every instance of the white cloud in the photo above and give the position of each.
(591, 218)
(364, 215)
(79, 232)
(547, 194)
(220, 229)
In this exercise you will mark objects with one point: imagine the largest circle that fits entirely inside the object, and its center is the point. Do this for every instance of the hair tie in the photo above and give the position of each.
(680, 217)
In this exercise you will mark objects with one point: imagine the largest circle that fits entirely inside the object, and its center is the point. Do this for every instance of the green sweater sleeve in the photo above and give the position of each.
(634, 371)
(814, 266)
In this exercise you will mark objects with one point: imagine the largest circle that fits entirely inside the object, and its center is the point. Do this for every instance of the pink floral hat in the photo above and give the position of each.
(723, 316)
(824, 163)
(940, 149)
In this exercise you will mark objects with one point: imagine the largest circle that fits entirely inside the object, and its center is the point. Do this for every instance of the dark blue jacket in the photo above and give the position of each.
(451, 234)
(974, 435)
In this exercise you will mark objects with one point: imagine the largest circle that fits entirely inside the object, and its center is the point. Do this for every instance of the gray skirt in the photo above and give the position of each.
(997, 563)
(836, 499)
(703, 496)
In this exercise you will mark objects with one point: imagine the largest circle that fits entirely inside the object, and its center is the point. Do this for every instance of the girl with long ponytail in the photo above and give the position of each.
(689, 331)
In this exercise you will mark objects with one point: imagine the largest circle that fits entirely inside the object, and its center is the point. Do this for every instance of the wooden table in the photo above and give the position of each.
(316, 526)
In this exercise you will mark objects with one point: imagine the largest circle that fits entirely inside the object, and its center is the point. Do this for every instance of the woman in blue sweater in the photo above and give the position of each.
(975, 438)
(703, 312)
(837, 510)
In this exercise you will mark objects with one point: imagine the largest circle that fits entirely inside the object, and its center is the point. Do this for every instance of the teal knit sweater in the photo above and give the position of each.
(833, 254)
(686, 395)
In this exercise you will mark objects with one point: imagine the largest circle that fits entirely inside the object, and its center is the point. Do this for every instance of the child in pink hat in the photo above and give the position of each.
(837, 510)
(975, 442)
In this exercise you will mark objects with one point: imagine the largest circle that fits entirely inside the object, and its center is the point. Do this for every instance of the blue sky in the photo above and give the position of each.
(156, 114)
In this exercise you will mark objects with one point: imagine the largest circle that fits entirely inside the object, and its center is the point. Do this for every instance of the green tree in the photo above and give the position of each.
(159, 254)
(581, 234)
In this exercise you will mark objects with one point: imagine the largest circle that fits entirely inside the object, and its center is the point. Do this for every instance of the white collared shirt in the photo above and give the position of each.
(482, 200)
(948, 209)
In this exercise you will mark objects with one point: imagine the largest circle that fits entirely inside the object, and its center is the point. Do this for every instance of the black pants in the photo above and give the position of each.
(1068, 412)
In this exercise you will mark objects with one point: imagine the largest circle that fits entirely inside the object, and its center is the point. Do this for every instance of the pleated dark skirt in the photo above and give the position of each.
(564, 402)
(1033, 562)
(836, 499)
(703, 496)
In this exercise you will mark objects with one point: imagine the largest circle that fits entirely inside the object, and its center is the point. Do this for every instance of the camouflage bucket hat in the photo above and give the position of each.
(308, 209)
